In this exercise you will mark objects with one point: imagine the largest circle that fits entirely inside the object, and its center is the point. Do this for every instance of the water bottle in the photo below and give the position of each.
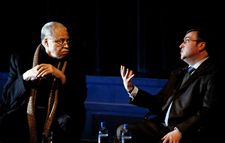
(47, 139)
(125, 134)
(103, 133)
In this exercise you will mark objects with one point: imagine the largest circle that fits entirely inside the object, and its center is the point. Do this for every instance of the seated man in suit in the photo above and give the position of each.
(186, 106)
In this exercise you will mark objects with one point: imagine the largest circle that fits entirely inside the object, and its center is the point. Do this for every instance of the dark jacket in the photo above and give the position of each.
(14, 128)
(193, 103)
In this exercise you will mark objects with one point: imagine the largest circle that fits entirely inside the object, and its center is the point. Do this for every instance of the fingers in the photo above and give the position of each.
(131, 75)
(122, 68)
(126, 73)
(44, 69)
(165, 139)
(171, 137)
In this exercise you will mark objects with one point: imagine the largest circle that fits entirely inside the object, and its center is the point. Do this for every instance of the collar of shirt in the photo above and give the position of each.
(196, 65)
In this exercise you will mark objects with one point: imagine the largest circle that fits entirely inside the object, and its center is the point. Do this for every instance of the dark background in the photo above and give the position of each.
(143, 35)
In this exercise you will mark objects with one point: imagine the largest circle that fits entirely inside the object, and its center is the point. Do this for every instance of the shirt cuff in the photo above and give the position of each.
(133, 93)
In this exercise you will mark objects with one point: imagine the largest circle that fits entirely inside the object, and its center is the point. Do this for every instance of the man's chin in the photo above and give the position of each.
(182, 58)
(62, 56)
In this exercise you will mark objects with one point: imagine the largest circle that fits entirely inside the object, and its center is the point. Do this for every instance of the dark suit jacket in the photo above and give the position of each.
(193, 102)
(16, 92)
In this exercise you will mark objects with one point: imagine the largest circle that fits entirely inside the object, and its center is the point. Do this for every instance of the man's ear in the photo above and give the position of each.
(44, 42)
(202, 46)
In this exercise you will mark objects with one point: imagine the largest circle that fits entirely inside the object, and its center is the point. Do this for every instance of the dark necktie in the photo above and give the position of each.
(189, 72)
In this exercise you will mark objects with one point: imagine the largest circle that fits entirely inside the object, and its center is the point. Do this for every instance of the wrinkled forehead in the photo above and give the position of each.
(60, 33)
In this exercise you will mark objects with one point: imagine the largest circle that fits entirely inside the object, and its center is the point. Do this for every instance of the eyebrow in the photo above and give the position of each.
(187, 37)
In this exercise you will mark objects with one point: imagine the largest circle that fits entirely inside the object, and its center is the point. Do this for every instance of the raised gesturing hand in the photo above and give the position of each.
(127, 75)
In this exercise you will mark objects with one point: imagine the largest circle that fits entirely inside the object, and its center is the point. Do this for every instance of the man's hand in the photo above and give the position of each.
(172, 137)
(43, 70)
(127, 75)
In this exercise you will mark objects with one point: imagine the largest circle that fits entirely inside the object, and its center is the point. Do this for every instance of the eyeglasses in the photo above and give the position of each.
(188, 40)
(61, 42)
